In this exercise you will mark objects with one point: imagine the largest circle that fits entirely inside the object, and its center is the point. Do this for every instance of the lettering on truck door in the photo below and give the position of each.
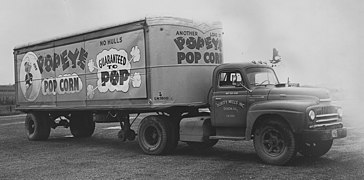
(229, 100)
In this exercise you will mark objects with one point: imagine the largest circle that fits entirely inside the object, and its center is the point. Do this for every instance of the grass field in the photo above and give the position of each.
(8, 110)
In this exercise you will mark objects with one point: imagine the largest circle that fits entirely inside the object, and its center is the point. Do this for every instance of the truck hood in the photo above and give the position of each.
(291, 93)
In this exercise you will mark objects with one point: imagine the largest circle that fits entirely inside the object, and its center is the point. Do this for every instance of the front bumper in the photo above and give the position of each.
(326, 134)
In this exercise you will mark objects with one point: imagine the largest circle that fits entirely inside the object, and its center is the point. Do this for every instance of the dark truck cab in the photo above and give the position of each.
(248, 102)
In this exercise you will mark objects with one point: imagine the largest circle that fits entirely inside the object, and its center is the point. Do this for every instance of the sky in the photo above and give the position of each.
(321, 42)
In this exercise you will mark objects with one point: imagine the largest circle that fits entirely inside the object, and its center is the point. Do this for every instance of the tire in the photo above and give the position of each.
(37, 126)
(314, 149)
(274, 143)
(155, 135)
(200, 146)
(173, 135)
(82, 125)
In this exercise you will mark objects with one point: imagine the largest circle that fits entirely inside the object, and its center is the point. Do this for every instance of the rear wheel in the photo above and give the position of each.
(314, 149)
(37, 126)
(157, 135)
(174, 132)
(274, 143)
(82, 125)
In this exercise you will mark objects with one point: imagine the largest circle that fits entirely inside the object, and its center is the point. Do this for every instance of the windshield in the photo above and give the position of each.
(261, 76)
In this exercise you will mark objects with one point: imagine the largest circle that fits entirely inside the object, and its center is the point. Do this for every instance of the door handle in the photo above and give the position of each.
(218, 98)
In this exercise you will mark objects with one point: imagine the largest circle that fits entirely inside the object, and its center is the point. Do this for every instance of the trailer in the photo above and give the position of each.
(134, 66)
(171, 67)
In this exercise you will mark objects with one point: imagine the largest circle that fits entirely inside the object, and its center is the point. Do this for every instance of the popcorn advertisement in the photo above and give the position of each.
(111, 67)
(117, 69)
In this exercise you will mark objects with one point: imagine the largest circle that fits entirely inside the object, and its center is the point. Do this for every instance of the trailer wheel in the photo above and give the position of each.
(154, 135)
(198, 146)
(314, 149)
(37, 126)
(274, 143)
(82, 125)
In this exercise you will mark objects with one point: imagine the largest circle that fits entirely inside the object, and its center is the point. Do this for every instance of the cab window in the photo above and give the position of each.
(261, 77)
(230, 79)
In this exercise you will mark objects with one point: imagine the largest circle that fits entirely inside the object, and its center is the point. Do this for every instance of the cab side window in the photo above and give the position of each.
(230, 79)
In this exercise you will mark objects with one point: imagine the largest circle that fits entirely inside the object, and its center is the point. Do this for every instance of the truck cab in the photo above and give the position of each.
(248, 102)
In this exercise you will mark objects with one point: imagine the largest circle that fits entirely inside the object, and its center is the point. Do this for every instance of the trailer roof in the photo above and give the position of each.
(150, 21)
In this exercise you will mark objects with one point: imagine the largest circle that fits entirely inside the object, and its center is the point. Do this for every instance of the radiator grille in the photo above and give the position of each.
(326, 116)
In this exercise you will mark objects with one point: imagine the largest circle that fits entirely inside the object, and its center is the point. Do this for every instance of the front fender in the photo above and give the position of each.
(292, 112)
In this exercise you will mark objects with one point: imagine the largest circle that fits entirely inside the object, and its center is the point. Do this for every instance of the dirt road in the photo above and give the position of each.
(103, 156)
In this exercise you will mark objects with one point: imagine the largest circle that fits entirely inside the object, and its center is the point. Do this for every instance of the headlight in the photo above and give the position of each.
(312, 115)
(340, 112)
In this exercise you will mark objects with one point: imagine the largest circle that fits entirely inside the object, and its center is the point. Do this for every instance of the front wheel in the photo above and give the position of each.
(274, 143)
(314, 149)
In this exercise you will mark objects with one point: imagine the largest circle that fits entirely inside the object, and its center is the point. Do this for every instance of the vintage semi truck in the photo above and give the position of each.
(171, 71)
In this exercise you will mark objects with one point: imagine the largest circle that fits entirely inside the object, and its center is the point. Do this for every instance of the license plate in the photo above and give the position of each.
(334, 133)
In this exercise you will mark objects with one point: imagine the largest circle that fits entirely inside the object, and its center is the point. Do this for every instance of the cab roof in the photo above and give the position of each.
(244, 65)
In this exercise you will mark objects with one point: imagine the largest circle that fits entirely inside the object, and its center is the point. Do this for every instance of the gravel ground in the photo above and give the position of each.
(103, 156)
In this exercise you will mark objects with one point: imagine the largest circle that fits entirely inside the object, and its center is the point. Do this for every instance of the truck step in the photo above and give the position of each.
(228, 138)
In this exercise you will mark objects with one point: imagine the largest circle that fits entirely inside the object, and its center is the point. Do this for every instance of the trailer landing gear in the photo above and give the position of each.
(126, 133)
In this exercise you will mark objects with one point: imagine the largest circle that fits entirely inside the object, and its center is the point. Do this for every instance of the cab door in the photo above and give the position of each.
(229, 100)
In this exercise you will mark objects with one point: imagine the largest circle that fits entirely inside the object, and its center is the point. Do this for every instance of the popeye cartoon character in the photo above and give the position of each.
(30, 76)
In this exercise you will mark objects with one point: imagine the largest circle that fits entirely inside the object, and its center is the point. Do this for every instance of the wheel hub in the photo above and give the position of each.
(151, 136)
(273, 142)
(31, 127)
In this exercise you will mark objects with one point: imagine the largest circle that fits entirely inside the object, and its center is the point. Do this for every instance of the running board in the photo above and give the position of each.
(228, 138)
